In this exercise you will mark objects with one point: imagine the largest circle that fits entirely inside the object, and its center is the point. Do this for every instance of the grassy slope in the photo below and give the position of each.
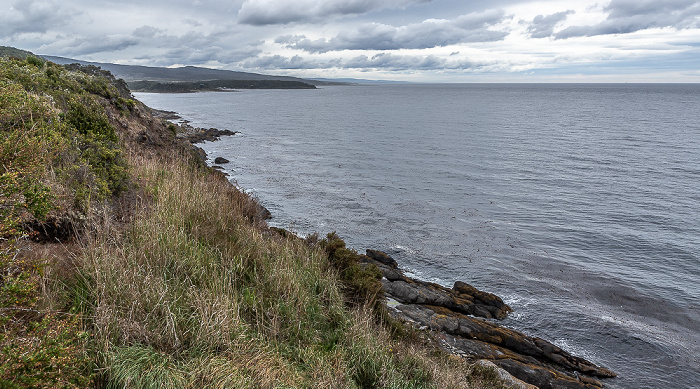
(169, 279)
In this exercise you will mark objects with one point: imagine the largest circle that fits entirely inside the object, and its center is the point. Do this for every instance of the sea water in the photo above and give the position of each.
(579, 204)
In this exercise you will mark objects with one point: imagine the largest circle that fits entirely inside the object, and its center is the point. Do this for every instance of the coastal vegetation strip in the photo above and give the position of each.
(214, 85)
(127, 262)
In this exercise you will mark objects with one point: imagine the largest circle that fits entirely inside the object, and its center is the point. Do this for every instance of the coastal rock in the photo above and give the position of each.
(467, 327)
(386, 265)
(545, 378)
(462, 298)
(198, 135)
(505, 376)
(382, 258)
(451, 314)
(221, 160)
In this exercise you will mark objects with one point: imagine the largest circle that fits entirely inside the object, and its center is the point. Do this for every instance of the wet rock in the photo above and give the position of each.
(391, 273)
(505, 376)
(198, 135)
(410, 291)
(382, 258)
(451, 314)
(545, 378)
(221, 160)
(539, 362)
(462, 297)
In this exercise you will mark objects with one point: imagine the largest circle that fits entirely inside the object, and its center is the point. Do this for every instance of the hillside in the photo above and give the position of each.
(132, 73)
(126, 262)
(13, 52)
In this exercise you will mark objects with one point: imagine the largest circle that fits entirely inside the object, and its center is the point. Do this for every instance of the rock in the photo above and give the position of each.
(545, 378)
(483, 339)
(383, 258)
(221, 160)
(478, 303)
(264, 213)
(450, 313)
(506, 377)
(462, 297)
(197, 135)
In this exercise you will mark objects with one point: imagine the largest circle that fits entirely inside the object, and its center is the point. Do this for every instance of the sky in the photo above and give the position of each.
(408, 40)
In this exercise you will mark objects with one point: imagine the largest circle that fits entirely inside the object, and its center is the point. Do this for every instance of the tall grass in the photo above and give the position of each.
(197, 293)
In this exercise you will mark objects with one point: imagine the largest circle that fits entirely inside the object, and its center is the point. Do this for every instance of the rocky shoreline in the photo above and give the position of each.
(461, 319)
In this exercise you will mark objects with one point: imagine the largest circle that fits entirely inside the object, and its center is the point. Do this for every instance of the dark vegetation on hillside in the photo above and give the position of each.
(181, 74)
(126, 262)
(214, 85)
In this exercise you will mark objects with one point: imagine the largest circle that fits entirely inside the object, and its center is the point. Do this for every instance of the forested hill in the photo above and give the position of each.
(132, 73)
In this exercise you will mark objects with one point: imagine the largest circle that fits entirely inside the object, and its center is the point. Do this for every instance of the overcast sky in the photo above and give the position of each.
(414, 40)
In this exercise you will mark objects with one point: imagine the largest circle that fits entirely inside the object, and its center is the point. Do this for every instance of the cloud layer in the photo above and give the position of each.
(266, 12)
(628, 16)
(423, 39)
(424, 35)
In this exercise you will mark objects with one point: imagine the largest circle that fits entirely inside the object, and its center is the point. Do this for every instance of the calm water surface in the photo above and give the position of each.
(578, 204)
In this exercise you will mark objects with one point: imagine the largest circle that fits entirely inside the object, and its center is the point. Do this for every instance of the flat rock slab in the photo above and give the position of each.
(453, 314)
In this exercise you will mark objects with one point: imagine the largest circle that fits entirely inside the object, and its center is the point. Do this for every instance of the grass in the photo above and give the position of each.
(191, 290)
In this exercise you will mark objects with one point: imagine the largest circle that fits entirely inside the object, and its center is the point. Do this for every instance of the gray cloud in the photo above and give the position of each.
(281, 62)
(146, 32)
(34, 17)
(381, 61)
(543, 26)
(85, 46)
(427, 34)
(266, 12)
(627, 16)
(195, 48)
(394, 62)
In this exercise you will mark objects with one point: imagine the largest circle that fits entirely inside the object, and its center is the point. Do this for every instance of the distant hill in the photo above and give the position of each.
(214, 85)
(13, 52)
(131, 73)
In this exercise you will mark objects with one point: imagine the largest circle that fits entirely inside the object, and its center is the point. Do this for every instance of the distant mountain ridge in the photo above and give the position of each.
(131, 73)
(6, 51)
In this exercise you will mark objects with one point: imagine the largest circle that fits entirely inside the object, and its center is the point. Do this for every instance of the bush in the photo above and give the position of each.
(361, 282)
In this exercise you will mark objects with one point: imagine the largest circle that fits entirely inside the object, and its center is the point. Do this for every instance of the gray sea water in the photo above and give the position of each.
(578, 204)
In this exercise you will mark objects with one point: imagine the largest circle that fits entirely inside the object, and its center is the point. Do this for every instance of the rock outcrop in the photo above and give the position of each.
(463, 318)
(198, 135)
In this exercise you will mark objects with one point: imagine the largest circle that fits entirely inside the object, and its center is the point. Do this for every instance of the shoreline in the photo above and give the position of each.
(462, 320)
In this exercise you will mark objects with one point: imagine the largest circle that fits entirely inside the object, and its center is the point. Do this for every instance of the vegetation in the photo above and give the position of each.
(168, 278)
(214, 85)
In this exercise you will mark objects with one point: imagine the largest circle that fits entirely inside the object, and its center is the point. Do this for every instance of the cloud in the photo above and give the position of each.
(34, 17)
(628, 16)
(381, 61)
(394, 62)
(430, 33)
(543, 26)
(266, 12)
(281, 62)
(146, 32)
(85, 46)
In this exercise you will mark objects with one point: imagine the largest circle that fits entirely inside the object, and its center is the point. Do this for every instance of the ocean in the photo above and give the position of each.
(578, 204)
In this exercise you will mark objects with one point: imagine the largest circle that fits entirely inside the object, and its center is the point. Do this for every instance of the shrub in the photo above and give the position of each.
(361, 282)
